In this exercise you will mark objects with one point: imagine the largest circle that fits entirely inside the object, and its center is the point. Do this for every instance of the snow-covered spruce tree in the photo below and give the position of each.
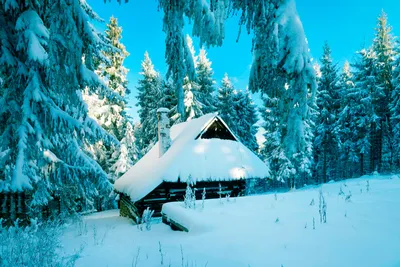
(115, 75)
(325, 143)
(149, 93)
(346, 122)
(168, 98)
(273, 153)
(110, 113)
(382, 138)
(245, 121)
(193, 107)
(205, 82)
(365, 90)
(239, 112)
(395, 112)
(126, 155)
(226, 100)
(43, 118)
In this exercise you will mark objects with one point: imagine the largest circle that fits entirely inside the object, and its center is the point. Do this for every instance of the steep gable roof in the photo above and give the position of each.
(216, 128)
(193, 152)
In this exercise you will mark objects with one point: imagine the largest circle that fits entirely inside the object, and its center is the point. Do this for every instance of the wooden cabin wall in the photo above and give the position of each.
(169, 192)
(13, 206)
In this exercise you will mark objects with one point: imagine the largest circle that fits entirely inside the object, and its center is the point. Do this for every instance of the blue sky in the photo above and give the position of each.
(347, 25)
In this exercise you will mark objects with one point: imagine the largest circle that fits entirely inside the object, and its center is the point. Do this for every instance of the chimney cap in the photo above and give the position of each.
(162, 110)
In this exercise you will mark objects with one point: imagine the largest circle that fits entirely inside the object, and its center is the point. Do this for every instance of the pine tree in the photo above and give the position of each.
(239, 112)
(193, 107)
(382, 139)
(114, 74)
(226, 99)
(205, 82)
(245, 121)
(367, 120)
(346, 122)
(149, 94)
(48, 53)
(110, 113)
(325, 144)
(272, 151)
(126, 155)
(395, 112)
(168, 96)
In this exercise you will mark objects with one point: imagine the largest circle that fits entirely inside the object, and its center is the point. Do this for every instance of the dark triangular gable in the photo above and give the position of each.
(216, 129)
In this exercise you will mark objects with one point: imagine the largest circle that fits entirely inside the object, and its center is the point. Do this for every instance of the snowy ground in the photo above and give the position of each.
(266, 230)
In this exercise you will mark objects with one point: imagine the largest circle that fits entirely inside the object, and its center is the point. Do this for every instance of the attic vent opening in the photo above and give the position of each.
(216, 130)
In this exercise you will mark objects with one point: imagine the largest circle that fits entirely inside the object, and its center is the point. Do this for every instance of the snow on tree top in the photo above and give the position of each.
(190, 155)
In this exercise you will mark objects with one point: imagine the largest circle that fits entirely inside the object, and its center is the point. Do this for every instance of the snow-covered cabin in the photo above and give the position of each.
(203, 150)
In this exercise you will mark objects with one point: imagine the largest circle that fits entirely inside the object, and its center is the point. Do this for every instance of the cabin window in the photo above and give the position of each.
(216, 130)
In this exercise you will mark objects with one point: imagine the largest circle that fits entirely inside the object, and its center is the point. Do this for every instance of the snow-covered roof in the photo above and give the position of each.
(202, 159)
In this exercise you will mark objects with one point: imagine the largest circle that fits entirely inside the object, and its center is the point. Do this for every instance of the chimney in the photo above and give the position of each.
(164, 137)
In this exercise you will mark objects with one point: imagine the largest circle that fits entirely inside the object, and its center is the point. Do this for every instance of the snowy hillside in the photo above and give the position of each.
(362, 229)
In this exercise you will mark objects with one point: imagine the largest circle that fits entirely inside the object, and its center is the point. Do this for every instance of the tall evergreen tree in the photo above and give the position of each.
(395, 113)
(168, 97)
(239, 112)
(126, 154)
(346, 122)
(272, 150)
(149, 94)
(114, 74)
(226, 100)
(47, 54)
(193, 107)
(367, 121)
(205, 82)
(192, 94)
(245, 121)
(110, 113)
(382, 139)
(326, 144)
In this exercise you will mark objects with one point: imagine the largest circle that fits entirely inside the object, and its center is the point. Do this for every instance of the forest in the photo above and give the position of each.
(98, 167)
(65, 131)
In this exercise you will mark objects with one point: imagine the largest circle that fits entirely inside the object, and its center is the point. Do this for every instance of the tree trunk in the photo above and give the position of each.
(361, 164)
(378, 166)
(325, 164)
(373, 144)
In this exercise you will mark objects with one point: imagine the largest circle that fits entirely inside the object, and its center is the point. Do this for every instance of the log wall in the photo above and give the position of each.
(170, 192)
(13, 206)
